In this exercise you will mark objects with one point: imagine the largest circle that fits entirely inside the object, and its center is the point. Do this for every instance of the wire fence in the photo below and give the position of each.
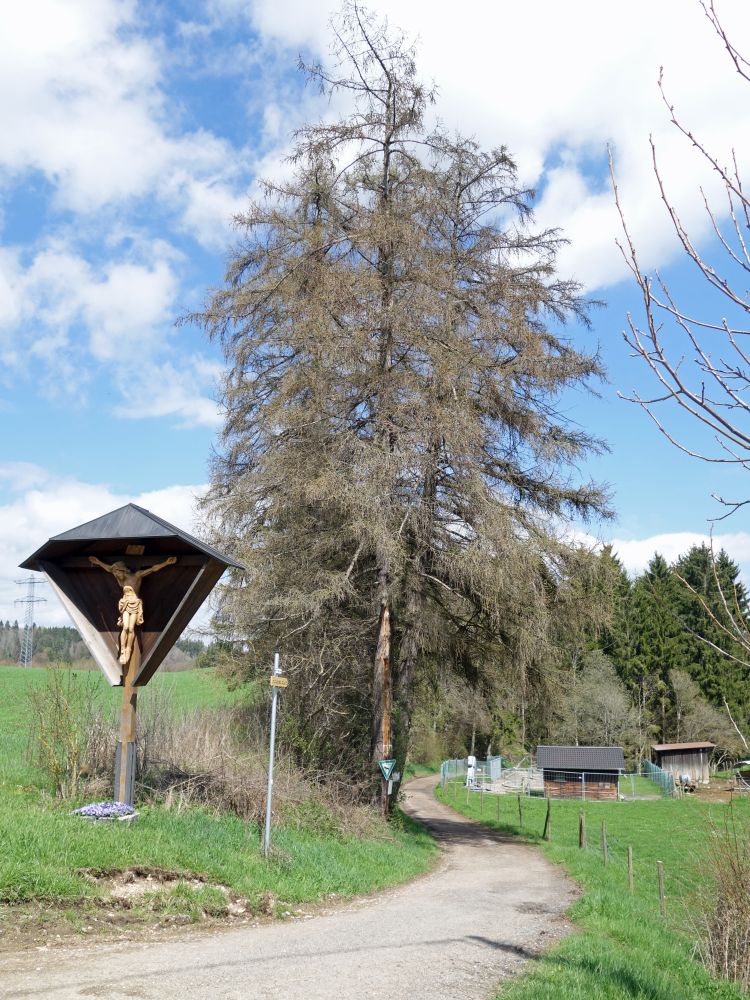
(485, 772)
(490, 775)
(646, 876)
(663, 778)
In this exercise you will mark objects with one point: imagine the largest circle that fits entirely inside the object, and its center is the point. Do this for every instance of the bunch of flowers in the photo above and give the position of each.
(104, 810)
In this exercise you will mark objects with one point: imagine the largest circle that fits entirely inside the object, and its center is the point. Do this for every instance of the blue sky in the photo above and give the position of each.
(133, 132)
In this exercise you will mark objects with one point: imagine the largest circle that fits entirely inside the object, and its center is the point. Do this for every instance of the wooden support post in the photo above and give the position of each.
(382, 696)
(125, 772)
(547, 833)
(630, 869)
(520, 813)
(662, 898)
(605, 845)
(582, 832)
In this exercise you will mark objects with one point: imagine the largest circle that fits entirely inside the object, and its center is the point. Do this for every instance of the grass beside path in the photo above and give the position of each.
(624, 949)
(47, 856)
(45, 852)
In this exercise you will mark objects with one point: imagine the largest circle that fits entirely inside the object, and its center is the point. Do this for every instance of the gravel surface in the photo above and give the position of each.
(489, 906)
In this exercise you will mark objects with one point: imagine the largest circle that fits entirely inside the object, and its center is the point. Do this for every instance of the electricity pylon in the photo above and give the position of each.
(26, 654)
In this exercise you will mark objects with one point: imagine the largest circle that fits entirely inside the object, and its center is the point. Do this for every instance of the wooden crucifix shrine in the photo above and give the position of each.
(131, 582)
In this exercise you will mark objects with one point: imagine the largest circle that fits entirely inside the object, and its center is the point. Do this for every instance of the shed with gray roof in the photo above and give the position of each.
(575, 772)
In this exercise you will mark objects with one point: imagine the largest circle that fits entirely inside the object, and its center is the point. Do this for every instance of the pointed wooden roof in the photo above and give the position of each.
(91, 597)
(130, 522)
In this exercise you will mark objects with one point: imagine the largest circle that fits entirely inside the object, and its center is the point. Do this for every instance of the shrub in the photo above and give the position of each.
(723, 922)
(216, 758)
(64, 711)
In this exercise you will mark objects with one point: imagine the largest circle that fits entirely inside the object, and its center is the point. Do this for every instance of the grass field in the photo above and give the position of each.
(45, 852)
(639, 786)
(185, 689)
(625, 950)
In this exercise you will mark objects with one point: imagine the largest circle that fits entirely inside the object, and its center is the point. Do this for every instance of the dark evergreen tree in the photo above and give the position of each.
(709, 605)
(655, 605)
(618, 639)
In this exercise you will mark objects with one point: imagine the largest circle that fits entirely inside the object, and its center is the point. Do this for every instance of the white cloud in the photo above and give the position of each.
(128, 308)
(209, 207)
(183, 389)
(68, 321)
(61, 311)
(636, 553)
(39, 505)
(556, 82)
(82, 102)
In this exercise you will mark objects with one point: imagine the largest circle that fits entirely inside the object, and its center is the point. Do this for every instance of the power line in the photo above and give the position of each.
(26, 654)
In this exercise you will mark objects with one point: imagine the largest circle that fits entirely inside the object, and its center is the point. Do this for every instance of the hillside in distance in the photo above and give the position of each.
(63, 644)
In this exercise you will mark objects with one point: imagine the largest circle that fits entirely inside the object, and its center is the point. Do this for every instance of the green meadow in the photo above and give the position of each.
(624, 949)
(48, 855)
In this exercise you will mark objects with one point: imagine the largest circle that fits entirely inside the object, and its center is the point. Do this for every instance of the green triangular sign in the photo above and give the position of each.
(386, 768)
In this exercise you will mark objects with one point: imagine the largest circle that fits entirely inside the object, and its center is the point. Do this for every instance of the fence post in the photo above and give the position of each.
(520, 813)
(630, 868)
(605, 846)
(582, 832)
(547, 833)
(498, 808)
(660, 877)
(481, 801)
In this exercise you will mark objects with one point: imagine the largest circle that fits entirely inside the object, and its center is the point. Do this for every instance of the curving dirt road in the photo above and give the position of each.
(489, 906)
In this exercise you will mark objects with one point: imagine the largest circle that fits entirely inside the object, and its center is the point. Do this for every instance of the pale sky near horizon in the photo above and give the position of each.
(133, 131)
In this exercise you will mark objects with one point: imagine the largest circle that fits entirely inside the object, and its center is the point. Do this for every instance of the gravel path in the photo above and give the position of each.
(490, 905)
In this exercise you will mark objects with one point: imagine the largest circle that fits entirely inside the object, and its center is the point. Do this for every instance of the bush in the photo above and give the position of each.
(64, 713)
(212, 757)
(723, 924)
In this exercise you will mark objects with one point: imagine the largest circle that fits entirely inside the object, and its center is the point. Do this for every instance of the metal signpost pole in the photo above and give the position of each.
(276, 672)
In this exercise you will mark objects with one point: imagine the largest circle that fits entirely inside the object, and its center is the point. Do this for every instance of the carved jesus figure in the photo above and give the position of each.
(130, 605)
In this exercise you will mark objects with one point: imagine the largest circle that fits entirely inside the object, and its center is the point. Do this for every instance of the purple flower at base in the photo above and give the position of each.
(104, 810)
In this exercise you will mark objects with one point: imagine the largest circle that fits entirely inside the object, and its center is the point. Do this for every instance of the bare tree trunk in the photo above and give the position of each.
(381, 682)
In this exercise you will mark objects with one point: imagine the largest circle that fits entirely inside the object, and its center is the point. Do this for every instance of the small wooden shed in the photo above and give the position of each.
(691, 759)
(581, 772)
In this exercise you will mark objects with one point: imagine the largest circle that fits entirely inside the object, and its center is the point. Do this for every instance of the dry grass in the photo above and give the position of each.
(215, 757)
(723, 923)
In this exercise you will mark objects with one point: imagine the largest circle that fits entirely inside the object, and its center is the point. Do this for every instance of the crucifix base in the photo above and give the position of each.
(125, 773)
(125, 753)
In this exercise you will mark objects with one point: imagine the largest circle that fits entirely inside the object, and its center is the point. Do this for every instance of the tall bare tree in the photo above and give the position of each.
(393, 462)
(701, 364)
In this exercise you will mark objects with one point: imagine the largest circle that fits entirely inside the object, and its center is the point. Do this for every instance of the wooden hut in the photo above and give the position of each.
(691, 759)
(580, 772)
